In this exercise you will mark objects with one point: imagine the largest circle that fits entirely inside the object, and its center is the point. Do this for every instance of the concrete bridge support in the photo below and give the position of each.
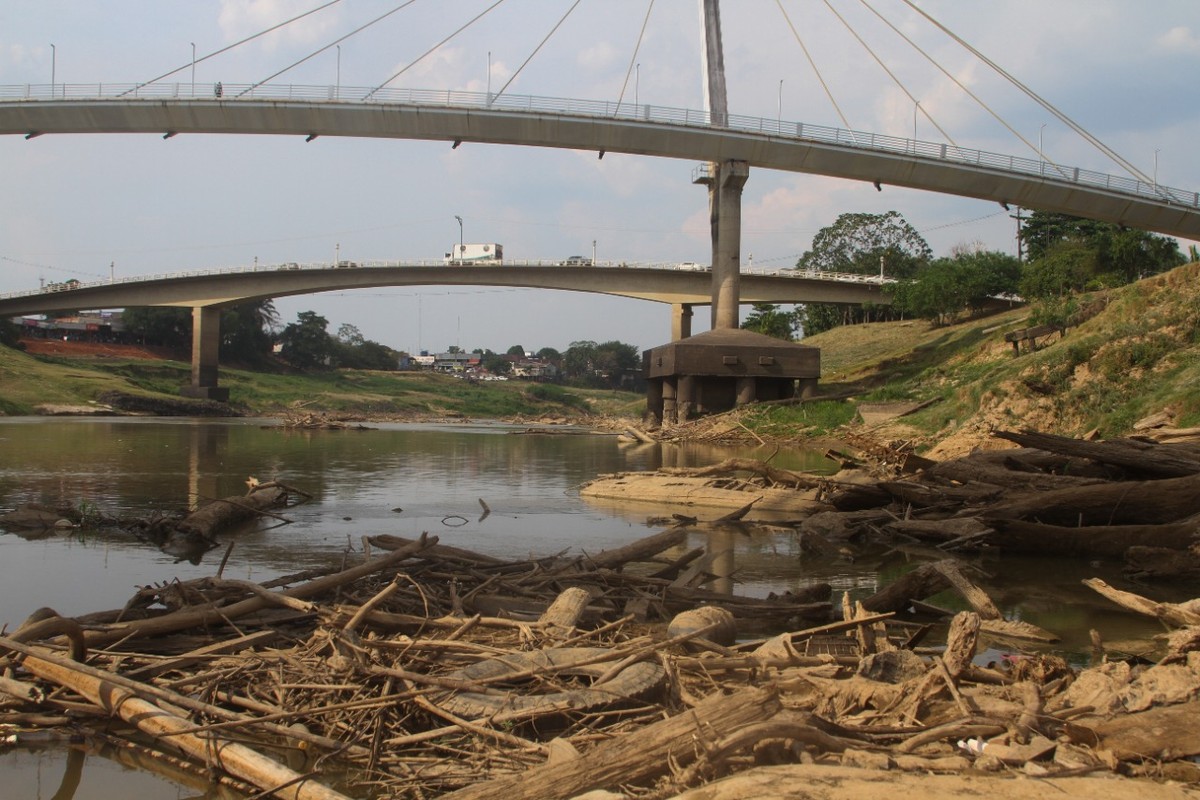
(725, 215)
(206, 345)
(681, 321)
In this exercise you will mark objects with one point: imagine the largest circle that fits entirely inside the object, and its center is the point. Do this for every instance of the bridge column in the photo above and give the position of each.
(725, 217)
(681, 321)
(670, 401)
(206, 343)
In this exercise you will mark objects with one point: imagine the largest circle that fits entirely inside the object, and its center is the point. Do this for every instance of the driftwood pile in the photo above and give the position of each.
(1131, 499)
(433, 671)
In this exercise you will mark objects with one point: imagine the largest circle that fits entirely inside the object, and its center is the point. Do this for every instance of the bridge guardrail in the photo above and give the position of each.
(657, 114)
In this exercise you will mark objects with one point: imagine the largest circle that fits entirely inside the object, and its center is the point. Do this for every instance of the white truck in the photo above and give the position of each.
(484, 254)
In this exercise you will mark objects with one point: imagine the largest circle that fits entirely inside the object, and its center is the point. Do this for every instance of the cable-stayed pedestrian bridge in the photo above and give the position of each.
(457, 117)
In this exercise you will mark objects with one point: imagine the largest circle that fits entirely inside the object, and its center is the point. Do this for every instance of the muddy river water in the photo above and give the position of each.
(397, 479)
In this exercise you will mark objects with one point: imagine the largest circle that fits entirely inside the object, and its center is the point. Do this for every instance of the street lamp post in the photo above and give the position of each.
(1156, 169)
(916, 108)
(193, 68)
(779, 107)
(489, 78)
(53, 69)
(1041, 156)
(637, 81)
(337, 93)
(460, 236)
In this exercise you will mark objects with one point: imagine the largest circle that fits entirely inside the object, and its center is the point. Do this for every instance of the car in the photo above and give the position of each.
(345, 264)
(577, 261)
(691, 265)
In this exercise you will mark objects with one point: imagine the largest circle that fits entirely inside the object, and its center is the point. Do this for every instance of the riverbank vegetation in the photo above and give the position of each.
(32, 384)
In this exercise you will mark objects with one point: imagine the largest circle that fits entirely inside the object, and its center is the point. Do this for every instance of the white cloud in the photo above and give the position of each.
(238, 19)
(1180, 39)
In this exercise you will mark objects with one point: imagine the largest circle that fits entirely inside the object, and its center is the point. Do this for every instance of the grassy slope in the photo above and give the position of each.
(1139, 355)
(27, 382)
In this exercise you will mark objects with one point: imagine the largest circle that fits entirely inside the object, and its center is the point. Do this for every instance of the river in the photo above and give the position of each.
(391, 478)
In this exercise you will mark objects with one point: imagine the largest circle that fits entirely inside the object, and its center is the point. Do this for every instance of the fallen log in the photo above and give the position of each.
(642, 550)
(1125, 502)
(226, 512)
(918, 584)
(970, 469)
(1161, 563)
(1104, 541)
(1171, 613)
(1141, 457)
(636, 757)
(922, 495)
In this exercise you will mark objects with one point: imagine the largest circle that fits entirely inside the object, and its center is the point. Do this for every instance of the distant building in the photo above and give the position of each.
(95, 326)
(455, 362)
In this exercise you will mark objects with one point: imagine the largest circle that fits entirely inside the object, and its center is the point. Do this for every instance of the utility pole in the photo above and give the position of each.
(1017, 216)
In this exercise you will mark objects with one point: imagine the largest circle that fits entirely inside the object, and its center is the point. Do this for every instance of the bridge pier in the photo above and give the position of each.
(206, 345)
(725, 185)
(681, 321)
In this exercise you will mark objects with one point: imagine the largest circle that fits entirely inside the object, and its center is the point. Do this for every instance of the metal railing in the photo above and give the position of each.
(291, 266)
(639, 112)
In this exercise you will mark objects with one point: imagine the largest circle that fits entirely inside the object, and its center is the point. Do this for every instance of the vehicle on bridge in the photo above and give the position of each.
(692, 266)
(576, 261)
(63, 287)
(487, 254)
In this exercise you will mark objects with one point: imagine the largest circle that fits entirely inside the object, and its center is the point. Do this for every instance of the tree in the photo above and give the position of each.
(856, 243)
(247, 330)
(768, 319)
(10, 335)
(549, 354)
(861, 244)
(350, 335)
(1066, 267)
(306, 344)
(579, 359)
(1120, 255)
(495, 363)
(365, 355)
(950, 285)
(611, 364)
(168, 327)
(516, 350)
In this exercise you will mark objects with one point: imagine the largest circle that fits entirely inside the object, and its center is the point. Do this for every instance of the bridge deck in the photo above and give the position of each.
(651, 130)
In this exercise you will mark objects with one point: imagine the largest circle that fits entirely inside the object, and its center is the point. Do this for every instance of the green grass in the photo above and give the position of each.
(27, 382)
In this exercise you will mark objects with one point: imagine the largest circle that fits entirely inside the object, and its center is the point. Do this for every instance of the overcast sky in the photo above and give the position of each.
(72, 205)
